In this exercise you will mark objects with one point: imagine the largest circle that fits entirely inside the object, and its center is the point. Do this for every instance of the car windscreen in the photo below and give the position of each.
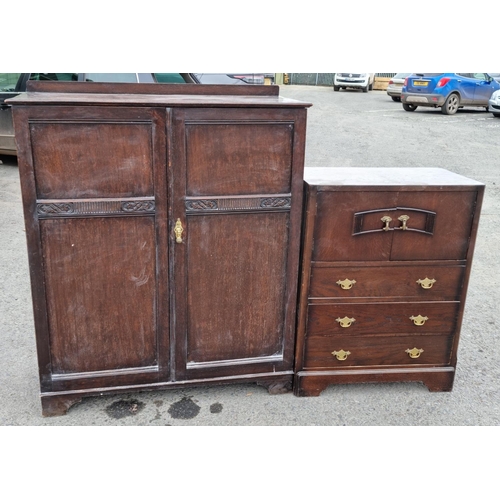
(8, 81)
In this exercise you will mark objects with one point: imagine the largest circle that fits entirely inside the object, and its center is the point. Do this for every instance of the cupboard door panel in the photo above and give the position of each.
(238, 158)
(100, 284)
(236, 280)
(85, 159)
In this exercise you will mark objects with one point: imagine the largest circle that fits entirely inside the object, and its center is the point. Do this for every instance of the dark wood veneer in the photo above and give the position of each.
(345, 238)
(151, 88)
(107, 171)
(121, 303)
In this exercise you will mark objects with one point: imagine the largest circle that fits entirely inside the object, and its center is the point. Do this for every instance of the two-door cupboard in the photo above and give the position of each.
(164, 227)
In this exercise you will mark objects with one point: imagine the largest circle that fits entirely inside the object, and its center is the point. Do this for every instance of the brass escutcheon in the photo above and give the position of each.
(345, 322)
(341, 355)
(386, 220)
(414, 353)
(178, 230)
(404, 219)
(346, 284)
(426, 283)
(419, 320)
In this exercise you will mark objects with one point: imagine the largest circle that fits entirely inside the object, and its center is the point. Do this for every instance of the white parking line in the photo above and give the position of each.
(382, 110)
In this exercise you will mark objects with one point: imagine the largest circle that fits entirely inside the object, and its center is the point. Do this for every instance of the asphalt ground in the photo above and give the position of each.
(346, 128)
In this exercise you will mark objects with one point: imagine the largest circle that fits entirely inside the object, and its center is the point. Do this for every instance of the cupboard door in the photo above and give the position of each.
(237, 197)
(97, 194)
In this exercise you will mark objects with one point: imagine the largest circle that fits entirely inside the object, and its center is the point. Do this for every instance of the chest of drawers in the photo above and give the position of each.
(386, 259)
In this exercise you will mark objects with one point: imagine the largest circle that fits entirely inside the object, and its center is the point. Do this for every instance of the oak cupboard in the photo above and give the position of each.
(163, 228)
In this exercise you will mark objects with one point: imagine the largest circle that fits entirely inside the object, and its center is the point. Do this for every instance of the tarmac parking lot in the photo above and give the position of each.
(346, 128)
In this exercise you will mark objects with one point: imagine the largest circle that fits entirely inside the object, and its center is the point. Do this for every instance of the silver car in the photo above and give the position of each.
(12, 84)
(395, 86)
(494, 104)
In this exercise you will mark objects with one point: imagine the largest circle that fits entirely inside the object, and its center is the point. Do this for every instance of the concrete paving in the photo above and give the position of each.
(344, 129)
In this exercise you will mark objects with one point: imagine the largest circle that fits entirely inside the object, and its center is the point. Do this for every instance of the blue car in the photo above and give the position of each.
(448, 91)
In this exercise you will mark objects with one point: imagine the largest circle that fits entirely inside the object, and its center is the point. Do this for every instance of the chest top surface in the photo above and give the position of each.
(385, 177)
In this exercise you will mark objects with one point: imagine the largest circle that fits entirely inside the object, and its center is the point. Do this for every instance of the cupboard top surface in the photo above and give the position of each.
(155, 99)
(334, 178)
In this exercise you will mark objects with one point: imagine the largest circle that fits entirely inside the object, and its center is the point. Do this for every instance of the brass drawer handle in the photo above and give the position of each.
(345, 322)
(426, 283)
(178, 230)
(346, 284)
(404, 219)
(414, 353)
(341, 355)
(419, 320)
(386, 220)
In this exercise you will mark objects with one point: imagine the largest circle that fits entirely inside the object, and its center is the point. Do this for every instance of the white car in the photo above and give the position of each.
(362, 81)
(395, 85)
(494, 104)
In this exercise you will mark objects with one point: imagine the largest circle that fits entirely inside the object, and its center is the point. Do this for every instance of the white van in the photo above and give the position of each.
(362, 81)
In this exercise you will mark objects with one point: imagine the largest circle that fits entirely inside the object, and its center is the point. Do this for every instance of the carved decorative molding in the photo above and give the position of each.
(276, 203)
(94, 207)
(138, 206)
(202, 205)
(55, 208)
(235, 204)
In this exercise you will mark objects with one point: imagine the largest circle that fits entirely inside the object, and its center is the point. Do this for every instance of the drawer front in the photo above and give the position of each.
(413, 225)
(343, 351)
(382, 317)
(413, 282)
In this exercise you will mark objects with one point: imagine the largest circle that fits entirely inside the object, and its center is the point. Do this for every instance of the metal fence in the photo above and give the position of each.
(321, 78)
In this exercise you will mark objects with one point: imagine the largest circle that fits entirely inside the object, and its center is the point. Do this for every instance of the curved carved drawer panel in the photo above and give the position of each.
(370, 226)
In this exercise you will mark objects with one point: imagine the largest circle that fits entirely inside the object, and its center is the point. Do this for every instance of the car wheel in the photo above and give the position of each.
(496, 115)
(365, 89)
(409, 107)
(396, 99)
(336, 88)
(450, 106)
(370, 86)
